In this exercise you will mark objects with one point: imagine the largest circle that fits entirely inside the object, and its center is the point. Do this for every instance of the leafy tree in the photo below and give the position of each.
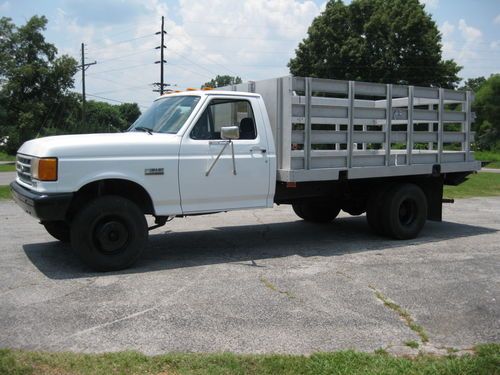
(388, 41)
(33, 80)
(103, 117)
(487, 108)
(34, 90)
(473, 84)
(220, 81)
(129, 112)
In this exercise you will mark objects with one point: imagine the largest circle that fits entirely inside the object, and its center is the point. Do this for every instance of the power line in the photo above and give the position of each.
(222, 37)
(126, 55)
(114, 100)
(207, 58)
(204, 76)
(110, 81)
(191, 61)
(118, 69)
(121, 42)
(115, 34)
(136, 87)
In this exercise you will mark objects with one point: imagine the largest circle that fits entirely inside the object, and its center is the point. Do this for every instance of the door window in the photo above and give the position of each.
(225, 112)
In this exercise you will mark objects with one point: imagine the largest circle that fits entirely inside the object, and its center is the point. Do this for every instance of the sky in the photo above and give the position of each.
(253, 39)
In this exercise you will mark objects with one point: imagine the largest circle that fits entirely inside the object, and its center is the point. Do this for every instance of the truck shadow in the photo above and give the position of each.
(246, 245)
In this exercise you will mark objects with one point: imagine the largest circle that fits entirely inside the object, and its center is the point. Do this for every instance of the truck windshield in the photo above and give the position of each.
(166, 115)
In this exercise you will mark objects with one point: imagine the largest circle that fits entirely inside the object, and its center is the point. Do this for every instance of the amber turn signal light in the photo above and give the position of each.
(44, 169)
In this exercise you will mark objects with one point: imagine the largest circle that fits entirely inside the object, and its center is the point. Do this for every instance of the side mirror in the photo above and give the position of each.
(230, 132)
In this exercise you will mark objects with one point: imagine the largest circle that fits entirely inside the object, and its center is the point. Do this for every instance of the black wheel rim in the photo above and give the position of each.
(407, 212)
(110, 235)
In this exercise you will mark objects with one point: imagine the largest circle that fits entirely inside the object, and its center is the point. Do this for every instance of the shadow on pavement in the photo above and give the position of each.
(248, 243)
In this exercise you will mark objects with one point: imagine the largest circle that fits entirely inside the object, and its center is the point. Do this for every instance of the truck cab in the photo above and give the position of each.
(192, 152)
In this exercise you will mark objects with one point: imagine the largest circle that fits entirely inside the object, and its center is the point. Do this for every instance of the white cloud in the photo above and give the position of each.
(430, 4)
(469, 33)
(497, 19)
(447, 30)
(465, 44)
(253, 39)
(462, 46)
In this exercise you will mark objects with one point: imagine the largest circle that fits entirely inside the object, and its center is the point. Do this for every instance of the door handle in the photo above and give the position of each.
(262, 150)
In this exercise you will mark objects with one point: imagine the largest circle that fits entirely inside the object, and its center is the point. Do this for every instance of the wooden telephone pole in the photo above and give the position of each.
(84, 67)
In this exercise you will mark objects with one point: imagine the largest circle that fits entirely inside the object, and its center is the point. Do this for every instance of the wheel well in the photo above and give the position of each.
(124, 188)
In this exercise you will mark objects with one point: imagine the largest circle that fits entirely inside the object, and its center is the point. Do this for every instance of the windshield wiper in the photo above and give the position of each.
(144, 129)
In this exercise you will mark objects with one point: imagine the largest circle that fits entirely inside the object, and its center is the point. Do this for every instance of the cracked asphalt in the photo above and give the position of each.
(257, 281)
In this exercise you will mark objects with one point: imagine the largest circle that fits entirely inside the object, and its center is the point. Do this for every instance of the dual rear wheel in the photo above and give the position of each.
(399, 211)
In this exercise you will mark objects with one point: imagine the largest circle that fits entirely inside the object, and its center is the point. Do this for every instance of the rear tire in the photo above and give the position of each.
(60, 230)
(316, 211)
(109, 234)
(404, 211)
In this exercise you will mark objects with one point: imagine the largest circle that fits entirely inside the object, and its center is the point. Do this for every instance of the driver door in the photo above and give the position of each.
(208, 184)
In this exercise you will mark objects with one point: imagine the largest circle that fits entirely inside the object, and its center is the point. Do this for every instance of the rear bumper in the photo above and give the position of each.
(44, 206)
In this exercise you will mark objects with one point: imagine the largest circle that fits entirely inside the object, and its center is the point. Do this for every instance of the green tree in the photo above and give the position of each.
(220, 81)
(487, 108)
(388, 41)
(129, 112)
(473, 84)
(34, 81)
(103, 117)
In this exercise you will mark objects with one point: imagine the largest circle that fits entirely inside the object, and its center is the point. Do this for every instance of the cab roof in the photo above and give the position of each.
(208, 93)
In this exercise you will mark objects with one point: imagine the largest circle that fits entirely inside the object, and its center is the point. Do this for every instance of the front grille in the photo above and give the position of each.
(23, 168)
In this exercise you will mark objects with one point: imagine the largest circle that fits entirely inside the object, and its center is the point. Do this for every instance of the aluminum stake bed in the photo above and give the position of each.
(323, 127)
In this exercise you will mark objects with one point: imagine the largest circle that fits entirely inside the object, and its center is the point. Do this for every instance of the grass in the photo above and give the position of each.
(478, 185)
(405, 315)
(491, 156)
(6, 157)
(7, 167)
(274, 288)
(4, 192)
(412, 344)
(485, 361)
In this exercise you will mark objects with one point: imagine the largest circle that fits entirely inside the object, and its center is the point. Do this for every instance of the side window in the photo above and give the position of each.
(225, 112)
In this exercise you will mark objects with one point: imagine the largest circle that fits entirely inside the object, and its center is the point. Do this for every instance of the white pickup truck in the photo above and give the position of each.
(320, 145)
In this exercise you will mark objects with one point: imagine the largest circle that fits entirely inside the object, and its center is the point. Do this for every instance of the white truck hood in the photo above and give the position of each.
(100, 145)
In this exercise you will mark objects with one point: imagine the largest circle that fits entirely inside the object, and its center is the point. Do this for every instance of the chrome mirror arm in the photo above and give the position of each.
(226, 143)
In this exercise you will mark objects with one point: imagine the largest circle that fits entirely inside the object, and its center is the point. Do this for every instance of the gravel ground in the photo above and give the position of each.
(257, 281)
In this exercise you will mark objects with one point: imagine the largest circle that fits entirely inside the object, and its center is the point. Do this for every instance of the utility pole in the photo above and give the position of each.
(161, 85)
(84, 67)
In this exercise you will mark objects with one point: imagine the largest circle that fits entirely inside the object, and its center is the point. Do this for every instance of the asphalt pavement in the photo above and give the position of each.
(7, 177)
(258, 281)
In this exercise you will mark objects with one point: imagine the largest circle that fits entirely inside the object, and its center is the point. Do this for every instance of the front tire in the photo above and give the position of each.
(60, 230)
(316, 211)
(109, 233)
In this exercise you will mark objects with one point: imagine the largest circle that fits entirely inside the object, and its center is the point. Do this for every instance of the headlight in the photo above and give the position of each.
(44, 169)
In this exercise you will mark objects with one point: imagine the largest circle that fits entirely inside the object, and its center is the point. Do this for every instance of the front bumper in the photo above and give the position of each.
(44, 206)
